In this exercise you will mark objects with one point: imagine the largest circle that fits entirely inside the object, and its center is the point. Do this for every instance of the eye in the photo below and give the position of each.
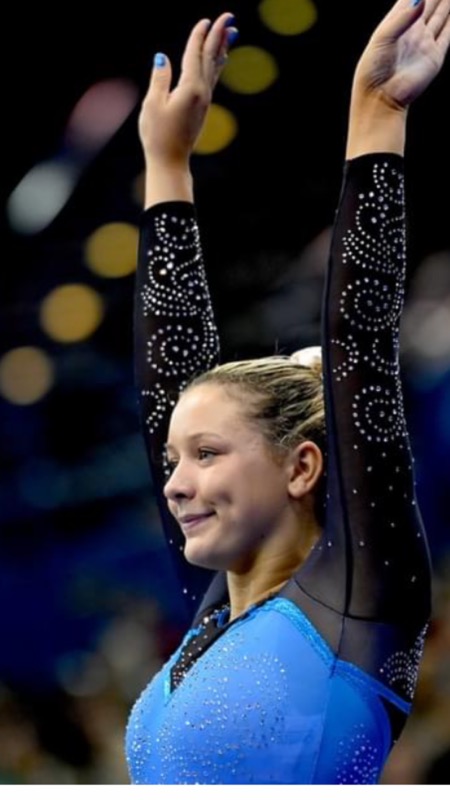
(204, 454)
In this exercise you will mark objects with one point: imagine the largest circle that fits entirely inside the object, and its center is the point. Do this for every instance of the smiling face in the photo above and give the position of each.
(227, 490)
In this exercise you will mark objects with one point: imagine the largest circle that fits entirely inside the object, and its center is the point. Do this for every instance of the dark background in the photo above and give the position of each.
(89, 606)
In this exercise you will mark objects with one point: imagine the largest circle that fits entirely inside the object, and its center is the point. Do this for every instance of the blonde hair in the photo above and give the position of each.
(286, 400)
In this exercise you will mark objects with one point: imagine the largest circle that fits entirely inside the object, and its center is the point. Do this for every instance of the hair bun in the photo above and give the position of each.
(308, 357)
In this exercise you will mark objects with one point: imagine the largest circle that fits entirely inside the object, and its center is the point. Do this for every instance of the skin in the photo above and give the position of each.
(403, 56)
(171, 120)
(241, 508)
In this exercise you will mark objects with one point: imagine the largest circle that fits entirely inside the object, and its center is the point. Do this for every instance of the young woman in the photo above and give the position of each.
(290, 477)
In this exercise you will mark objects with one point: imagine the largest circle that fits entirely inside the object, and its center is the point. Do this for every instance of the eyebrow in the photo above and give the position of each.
(193, 437)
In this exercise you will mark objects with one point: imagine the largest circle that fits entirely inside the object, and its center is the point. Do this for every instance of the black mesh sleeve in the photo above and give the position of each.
(373, 560)
(175, 338)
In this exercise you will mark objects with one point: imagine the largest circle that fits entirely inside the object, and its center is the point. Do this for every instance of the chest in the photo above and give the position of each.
(252, 709)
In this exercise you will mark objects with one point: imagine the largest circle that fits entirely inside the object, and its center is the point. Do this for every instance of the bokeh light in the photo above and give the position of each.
(249, 70)
(71, 313)
(100, 112)
(26, 375)
(40, 196)
(219, 130)
(111, 251)
(288, 17)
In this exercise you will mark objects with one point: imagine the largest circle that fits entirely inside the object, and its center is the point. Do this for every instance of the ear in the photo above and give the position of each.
(304, 470)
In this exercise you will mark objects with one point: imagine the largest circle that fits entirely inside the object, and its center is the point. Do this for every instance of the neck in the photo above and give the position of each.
(244, 595)
(270, 569)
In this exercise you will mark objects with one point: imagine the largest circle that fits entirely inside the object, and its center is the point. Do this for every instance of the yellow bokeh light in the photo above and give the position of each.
(249, 70)
(26, 375)
(288, 17)
(111, 251)
(219, 130)
(71, 313)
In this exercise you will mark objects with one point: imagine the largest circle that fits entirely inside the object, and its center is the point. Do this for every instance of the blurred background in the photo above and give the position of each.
(89, 605)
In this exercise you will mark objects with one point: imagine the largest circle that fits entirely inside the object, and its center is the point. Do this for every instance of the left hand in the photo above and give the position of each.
(405, 53)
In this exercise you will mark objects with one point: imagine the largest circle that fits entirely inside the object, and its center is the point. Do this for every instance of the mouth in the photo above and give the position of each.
(191, 521)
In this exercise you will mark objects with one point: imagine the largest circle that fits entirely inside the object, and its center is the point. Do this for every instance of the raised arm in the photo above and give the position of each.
(373, 560)
(403, 57)
(175, 332)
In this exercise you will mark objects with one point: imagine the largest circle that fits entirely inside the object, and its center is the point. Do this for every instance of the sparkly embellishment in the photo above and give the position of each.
(194, 643)
(175, 289)
(371, 301)
(377, 414)
(359, 759)
(401, 669)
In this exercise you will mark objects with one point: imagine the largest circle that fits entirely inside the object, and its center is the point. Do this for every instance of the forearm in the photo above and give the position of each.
(166, 183)
(175, 337)
(370, 465)
(374, 126)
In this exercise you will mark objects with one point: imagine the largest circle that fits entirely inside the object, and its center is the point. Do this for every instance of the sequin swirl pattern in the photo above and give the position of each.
(401, 669)
(175, 292)
(358, 759)
(376, 247)
(371, 302)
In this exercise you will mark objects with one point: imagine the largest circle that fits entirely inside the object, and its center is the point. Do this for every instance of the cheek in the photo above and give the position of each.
(229, 483)
(219, 483)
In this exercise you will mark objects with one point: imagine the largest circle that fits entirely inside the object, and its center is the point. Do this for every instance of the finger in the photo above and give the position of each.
(161, 76)
(430, 8)
(401, 17)
(216, 47)
(191, 64)
(437, 20)
(228, 39)
(443, 39)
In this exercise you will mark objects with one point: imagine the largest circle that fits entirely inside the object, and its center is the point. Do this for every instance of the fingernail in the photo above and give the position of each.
(230, 22)
(415, 2)
(159, 60)
(232, 35)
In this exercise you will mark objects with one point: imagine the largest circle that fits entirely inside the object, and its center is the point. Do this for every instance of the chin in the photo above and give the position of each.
(198, 559)
(200, 556)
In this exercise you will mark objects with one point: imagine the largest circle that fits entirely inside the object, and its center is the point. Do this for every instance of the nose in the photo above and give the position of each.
(179, 485)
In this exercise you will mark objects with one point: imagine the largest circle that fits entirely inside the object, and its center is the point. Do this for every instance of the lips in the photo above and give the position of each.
(190, 521)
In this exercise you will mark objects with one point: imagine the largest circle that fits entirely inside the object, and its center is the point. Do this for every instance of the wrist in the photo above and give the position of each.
(375, 125)
(167, 181)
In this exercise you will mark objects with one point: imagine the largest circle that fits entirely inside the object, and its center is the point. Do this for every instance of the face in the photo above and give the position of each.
(226, 490)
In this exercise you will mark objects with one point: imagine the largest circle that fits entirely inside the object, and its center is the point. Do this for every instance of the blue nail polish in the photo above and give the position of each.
(415, 2)
(230, 22)
(232, 36)
(159, 60)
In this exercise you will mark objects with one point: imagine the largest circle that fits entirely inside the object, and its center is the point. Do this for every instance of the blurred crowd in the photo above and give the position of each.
(73, 732)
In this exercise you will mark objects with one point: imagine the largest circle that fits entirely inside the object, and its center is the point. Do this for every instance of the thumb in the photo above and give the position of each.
(161, 76)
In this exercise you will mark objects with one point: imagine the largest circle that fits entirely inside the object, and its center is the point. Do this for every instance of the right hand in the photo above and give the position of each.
(170, 122)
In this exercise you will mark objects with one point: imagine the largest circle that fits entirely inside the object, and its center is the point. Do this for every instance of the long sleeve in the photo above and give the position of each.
(175, 337)
(371, 568)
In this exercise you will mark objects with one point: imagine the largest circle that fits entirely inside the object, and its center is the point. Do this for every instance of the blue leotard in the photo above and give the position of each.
(313, 685)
